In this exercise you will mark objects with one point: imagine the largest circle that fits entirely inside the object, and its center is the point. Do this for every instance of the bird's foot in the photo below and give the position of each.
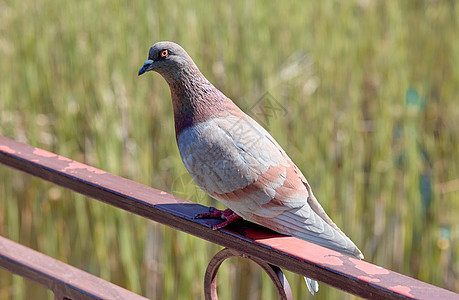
(228, 215)
(214, 214)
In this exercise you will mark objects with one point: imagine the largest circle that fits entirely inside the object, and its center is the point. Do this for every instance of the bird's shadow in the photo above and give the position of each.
(242, 228)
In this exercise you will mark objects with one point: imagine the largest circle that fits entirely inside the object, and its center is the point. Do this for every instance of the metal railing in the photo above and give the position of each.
(270, 250)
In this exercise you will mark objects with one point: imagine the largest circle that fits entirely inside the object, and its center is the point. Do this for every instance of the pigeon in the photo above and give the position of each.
(236, 161)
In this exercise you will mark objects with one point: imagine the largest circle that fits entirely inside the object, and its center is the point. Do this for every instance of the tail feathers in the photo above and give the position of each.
(307, 225)
(313, 286)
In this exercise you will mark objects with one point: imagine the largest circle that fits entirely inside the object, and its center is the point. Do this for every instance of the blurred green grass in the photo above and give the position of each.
(370, 89)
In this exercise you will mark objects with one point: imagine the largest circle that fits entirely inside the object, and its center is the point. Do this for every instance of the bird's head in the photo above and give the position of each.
(168, 59)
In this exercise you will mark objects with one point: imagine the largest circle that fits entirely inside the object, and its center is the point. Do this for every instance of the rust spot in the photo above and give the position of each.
(7, 149)
(401, 289)
(43, 153)
(368, 268)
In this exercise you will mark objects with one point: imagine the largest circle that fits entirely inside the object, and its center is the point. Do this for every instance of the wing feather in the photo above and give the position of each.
(236, 161)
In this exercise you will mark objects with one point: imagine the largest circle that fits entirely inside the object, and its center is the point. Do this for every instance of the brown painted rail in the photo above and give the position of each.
(343, 272)
(65, 281)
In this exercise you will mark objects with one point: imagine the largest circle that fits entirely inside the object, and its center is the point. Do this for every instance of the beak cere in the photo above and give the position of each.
(146, 67)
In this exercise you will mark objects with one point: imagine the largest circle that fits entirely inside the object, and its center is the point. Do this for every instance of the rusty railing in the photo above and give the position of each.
(270, 250)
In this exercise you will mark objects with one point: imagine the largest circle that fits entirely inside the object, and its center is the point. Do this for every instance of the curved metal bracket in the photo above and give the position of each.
(275, 273)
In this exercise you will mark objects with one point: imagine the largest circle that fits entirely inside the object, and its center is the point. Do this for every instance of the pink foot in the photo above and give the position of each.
(228, 215)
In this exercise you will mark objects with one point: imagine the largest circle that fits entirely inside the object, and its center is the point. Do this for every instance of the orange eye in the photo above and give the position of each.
(164, 53)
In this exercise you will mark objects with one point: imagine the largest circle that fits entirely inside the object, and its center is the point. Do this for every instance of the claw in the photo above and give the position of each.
(233, 217)
(212, 214)
(228, 215)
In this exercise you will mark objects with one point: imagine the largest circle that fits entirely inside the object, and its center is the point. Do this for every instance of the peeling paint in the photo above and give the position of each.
(63, 158)
(333, 260)
(368, 279)
(76, 165)
(43, 153)
(401, 289)
(287, 244)
(7, 149)
(368, 268)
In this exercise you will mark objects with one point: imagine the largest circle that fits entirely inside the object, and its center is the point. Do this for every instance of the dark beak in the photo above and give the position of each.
(146, 67)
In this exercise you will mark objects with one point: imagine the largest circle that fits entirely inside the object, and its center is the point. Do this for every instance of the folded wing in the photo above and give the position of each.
(236, 161)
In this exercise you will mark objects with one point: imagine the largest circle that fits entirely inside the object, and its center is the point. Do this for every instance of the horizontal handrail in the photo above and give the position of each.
(65, 281)
(335, 269)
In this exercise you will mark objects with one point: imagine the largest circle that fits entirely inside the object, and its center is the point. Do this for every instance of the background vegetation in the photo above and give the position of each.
(370, 93)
